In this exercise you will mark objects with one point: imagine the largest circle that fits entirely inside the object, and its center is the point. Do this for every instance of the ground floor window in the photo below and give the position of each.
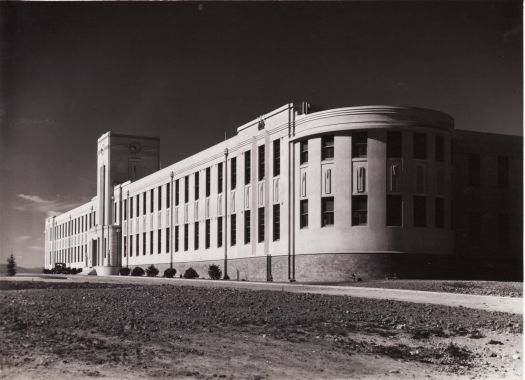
(420, 211)
(394, 210)
(440, 213)
(176, 238)
(260, 226)
(276, 222)
(207, 233)
(327, 211)
(219, 231)
(247, 226)
(196, 236)
(303, 219)
(233, 229)
(359, 210)
(168, 240)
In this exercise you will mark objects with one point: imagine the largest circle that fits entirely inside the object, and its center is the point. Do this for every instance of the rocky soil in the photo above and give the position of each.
(488, 288)
(134, 331)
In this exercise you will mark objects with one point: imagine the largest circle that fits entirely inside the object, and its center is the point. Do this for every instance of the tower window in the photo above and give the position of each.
(440, 149)
(327, 211)
(359, 144)
(303, 147)
(327, 148)
(420, 211)
(420, 146)
(359, 210)
(394, 210)
(394, 144)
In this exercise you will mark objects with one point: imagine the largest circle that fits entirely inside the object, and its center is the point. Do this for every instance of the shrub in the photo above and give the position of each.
(11, 265)
(152, 271)
(137, 272)
(191, 273)
(170, 273)
(73, 271)
(124, 271)
(47, 271)
(214, 272)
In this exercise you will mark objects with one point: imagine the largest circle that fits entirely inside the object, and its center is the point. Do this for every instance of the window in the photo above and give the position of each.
(260, 226)
(207, 233)
(115, 213)
(474, 228)
(131, 246)
(233, 174)
(327, 148)
(137, 245)
(327, 211)
(276, 157)
(177, 192)
(359, 144)
(196, 237)
(151, 242)
(168, 196)
(394, 210)
(420, 146)
(503, 230)
(276, 222)
(159, 240)
(233, 229)
(440, 149)
(303, 217)
(151, 201)
(168, 240)
(439, 213)
(303, 154)
(144, 203)
(143, 243)
(186, 237)
(503, 172)
(474, 170)
(219, 231)
(394, 144)
(247, 167)
(219, 178)
(176, 238)
(359, 210)
(261, 162)
(197, 185)
(131, 207)
(420, 211)
(208, 182)
(137, 205)
(186, 188)
(247, 226)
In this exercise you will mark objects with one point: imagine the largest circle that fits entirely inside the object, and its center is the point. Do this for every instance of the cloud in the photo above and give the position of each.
(35, 247)
(50, 207)
(23, 238)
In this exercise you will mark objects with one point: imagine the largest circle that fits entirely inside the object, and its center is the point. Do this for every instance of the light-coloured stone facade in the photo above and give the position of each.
(362, 181)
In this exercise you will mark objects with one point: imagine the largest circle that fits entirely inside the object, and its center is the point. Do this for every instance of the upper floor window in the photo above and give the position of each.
(474, 169)
(177, 192)
(303, 222)
(247, 167)
(503, 172)
(197, 187)
(144, 203)
(276, 157)
(303, 155)
(440, 149)
(394, 144)
(208, 182)
(359, 144)
(233, 178)
(151, 201)
(327, 148)
(261, 162)
(186, 188)
(219, 178)
(168, 196)
(420, 146)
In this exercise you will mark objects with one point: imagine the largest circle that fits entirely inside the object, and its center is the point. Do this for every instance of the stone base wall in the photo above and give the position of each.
(367, 266)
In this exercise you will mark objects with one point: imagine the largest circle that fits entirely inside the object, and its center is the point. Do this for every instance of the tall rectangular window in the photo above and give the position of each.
(144, 204)
(143, 243)
(131, 246)
(439, 213)
(137, 245)
(137, 205)
(186, 236)
(474, 170)
(474, 228)
(260, 226)
(196, 236)
(394, 210)
(197, 185)
(260, 157)
(359, 210)
(394, 144)
(503, 172)
(233, 229)
(131, 201)
(177, 192)
(359, 144)
(420, 211)
(276, 222)
(247, 226)
(327, 148)
(247, 167)
(176, 238)
(159, 240)
(207, 233)
(327, 211)
(208, 182)
(303, 154)
(303, 210)
(151, 198)
(233, 174)
(276, 157)
(420, 146)
(125, 246)
(440, 149)
(219, 231)
(186, 188)
(168, 240)
(168, 196)
(151, 242)
(219, 178)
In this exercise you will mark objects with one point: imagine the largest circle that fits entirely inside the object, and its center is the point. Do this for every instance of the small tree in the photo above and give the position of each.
(11, 265)
(191, 273)
(214, 272)
(170, 273)
(151, 271)
(124, 271)
(137, 272)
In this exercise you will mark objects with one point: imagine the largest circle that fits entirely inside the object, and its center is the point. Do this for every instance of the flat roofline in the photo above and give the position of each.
(113, 134)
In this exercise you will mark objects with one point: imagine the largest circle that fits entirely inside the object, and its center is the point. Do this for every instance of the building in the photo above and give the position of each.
(309, 196)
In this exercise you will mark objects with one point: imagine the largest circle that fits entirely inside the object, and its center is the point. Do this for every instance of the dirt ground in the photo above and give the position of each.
(124, 331)
(487, 288)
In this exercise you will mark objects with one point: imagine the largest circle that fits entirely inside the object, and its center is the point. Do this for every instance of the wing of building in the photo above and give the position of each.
(364, 191)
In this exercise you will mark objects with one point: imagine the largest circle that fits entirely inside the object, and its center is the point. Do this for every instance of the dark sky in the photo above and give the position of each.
(188, 72)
